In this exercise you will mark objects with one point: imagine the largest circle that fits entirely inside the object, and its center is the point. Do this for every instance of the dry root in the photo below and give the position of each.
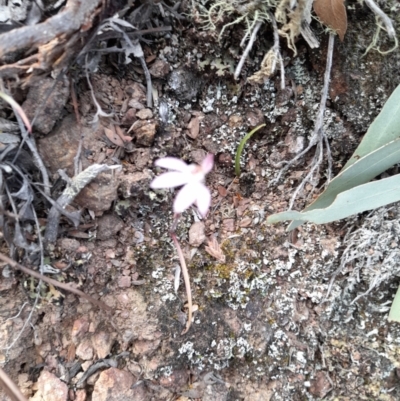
(318, 137)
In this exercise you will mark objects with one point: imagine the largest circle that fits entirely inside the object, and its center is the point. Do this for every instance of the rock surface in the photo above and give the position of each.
(115, 385)
(85, 350)
(108, 226)
(50, 388)
(184, 84)
(54, 106)
(145, 132)
(58, 151)
(102, 343)
(135, 184)
(197, 234)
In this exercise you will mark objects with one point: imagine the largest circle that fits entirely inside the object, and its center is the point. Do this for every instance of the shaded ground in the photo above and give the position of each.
(263, 329)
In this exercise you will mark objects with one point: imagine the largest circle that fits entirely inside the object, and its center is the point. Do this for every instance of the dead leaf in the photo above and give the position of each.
(71, 352)
(332, 13)
(246, 222)
(222, 191)
(215, 250)
(57, 295)
(78, 234)
(268, 67)
(194, 127)
(121, 133)
(113, 137)
(150, 58)
(60, 265)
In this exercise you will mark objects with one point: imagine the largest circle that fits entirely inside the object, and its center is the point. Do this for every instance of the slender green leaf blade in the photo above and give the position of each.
(384, 129)
(284, 216)
(241, 146)
(356, 200)
(360, 172)
(394, 314)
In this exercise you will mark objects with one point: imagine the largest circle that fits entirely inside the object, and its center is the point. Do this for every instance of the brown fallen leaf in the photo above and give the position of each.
(61, 265)
(121, 133)
(117, 136)
(71, 352)
(332, 13)
(194, 127)
(222, 191)
(78, 234)
(113, 137)
(215, 250)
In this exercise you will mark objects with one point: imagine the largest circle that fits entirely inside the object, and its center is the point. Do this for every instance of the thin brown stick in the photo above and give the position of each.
(19, 67)
(10, 387)
(56, 283)
(78, 121)
(186, 278)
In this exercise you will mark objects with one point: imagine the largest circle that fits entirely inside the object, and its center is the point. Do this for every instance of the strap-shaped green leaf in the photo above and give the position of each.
(394, 314)
(384, 130)
(358, 173)
(356, 200)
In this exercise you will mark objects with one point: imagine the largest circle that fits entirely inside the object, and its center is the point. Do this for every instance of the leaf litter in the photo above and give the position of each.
(263, 305)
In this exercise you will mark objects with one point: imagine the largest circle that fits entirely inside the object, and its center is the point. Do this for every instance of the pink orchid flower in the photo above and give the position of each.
(191, 177)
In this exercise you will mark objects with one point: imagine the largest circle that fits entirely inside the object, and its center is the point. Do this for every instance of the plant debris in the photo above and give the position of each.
(333, 14)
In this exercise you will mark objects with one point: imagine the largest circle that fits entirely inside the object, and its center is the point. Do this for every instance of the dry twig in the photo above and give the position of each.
(71, 19)
(10, 387)
(388, 27)
(186, 279)
(272, 57)
(318, 136)
(77, 158)
(385, 19)
(30, 141)
(249, 46)
(56, 283)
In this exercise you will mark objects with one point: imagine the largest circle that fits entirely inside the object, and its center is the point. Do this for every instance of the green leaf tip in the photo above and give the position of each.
(394, 314)
(241, 146)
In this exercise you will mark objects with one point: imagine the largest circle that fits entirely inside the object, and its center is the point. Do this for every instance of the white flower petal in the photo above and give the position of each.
(169, 180)
(208, 163)
(186, 197)
(203, 199)
(172, 163)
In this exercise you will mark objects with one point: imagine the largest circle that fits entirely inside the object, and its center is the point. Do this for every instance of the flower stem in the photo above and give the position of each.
(186, 279)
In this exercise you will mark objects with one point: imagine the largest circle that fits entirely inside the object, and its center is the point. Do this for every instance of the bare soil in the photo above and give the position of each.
(264, 327)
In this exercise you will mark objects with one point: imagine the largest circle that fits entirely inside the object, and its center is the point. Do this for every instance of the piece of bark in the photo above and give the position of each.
(72, 18)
